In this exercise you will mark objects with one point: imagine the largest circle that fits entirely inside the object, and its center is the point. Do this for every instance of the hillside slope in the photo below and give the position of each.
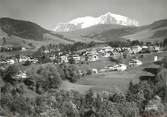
(154, 32)
(19, 32)
(23, 29)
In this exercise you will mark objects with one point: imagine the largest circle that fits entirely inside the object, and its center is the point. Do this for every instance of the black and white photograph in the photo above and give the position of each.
(83, 58)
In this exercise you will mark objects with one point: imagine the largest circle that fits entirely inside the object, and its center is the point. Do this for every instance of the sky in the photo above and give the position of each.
(48, 13)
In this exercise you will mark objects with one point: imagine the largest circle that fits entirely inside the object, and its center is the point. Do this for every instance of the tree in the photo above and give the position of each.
(128, 109)
(165, 42)
(91, 44)
(140, 93)
(70, 72)
(4, 40)
(161, 84)
(164, 62)
(11, 71)
(46, 77)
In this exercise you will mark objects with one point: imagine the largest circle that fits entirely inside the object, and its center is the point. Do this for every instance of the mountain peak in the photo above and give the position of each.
(88, 21)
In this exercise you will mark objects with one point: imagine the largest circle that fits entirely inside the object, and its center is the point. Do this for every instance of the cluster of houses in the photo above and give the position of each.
(12, 48)
(88, 55)
(117, 67)
(20, 59)
(107, 51)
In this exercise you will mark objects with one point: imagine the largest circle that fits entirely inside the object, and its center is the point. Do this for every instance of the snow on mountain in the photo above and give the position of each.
(88, 21)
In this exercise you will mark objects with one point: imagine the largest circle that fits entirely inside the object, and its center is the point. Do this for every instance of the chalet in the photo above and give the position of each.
(10, 61)
(46, 51)
(120, 67)
(135, 49)
(135, 62)
(23, 49)
(64, 59)
(155, 58)
(23, 59)
(156, 48)
(92, 57)
(106, 49)
(116, 55)
(20, 75)
(33, 60)
(94, 71)
(75, 58)
(52, 57)
(107, 54)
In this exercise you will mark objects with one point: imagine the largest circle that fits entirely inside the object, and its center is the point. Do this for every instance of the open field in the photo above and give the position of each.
(109, 81)
(113, 80)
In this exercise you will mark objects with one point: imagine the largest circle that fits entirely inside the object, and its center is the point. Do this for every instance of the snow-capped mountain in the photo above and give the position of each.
(88, 21)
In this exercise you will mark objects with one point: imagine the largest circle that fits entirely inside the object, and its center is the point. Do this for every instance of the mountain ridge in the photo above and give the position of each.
(19, 31)
(88, 21)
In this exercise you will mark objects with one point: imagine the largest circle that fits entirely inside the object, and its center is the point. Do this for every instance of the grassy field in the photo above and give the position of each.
(109, 81)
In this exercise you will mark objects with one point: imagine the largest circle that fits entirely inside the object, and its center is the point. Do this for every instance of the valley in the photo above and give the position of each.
(83, 66)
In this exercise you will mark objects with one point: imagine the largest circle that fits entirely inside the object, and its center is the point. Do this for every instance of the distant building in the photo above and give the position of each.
(92, 57)
(135, 49)
(155, 58)
(20, 75)
(64, 59)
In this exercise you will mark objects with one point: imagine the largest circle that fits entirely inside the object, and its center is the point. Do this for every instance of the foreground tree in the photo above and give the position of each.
(45, 77)
(161, 84)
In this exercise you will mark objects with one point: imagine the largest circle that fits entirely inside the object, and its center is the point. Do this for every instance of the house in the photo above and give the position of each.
(135, 49)
(64, 59)
(144, 47)
(116, 55)
(156, 48)
(33, 60)
(94, 71)
(103, 70)
(52, 57)
(107, 54)
(134, 62)
(75, 58)
(23, 59)
(107, 48)
(46, 51)
(10, 61)
(92, 57)
(23, 49)
(20, 75)
(120, 67)
(109, 68)
(155, 58)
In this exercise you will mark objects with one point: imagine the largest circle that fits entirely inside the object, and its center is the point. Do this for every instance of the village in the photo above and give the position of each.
(92, 55)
